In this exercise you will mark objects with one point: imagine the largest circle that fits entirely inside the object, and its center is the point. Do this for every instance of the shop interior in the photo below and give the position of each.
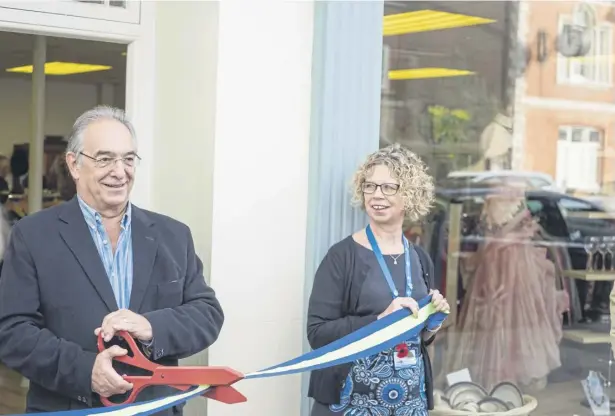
(76, 76)
(451, 69)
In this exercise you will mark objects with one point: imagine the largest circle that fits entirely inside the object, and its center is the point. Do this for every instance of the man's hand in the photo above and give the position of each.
(125, 320)
(105, 380)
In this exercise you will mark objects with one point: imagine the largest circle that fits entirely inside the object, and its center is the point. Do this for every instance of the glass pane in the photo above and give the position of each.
(575, 205)
(484, 113)
(594, 136)
(603, 54)
(577, 135)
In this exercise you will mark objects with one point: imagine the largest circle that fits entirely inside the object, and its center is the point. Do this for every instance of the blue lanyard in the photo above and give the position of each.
(385, 268)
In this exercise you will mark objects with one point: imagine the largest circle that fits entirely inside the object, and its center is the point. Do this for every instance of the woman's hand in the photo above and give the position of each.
(399, 303)
(440, 303)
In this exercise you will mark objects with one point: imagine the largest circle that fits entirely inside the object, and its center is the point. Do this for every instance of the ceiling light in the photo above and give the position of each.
(426, 20)
(62, 68)
(422, 73)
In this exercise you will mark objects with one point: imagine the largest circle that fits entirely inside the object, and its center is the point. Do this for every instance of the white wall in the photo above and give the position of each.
(65, 101)
(186, 38)
(182, 183)
(231, 148)
(261, 195)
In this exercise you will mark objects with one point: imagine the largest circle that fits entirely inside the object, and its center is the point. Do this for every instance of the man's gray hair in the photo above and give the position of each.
(101, 112)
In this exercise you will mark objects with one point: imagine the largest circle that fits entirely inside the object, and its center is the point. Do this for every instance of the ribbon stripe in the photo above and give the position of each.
(371, 339)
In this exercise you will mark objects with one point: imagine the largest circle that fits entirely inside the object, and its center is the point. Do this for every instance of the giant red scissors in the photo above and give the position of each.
(181, 378)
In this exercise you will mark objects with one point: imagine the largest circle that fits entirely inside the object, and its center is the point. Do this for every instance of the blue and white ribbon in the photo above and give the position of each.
(378, 336)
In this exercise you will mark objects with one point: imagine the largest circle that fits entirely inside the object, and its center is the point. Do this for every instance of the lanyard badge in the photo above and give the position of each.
(403, 356)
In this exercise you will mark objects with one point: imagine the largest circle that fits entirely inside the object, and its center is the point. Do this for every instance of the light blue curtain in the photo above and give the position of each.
(346, 80)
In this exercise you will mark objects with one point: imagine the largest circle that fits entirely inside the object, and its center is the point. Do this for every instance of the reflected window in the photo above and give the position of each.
(578, 156)
(534, 206)
(574, 205)
(595, 67)
(538, 183)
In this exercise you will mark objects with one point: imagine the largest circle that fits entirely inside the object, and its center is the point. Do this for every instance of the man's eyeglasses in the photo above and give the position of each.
(129, 161)
(388, 189)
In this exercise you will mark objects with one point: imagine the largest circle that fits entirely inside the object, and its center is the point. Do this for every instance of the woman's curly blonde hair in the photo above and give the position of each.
(416, 185)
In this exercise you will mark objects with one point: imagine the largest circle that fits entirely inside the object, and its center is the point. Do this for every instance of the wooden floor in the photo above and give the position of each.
(12, 392)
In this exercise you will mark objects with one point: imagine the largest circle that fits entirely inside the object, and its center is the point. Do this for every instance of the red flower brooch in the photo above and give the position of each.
(402, 350)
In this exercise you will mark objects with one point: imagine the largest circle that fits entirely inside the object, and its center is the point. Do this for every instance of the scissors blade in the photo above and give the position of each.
(225, 394)
(193, 376)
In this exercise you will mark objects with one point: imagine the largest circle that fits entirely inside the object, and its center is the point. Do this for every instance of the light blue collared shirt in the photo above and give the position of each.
(119, 265)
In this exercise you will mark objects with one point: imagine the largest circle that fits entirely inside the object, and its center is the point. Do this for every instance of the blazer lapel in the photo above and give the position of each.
(77, 237)
(144, 248)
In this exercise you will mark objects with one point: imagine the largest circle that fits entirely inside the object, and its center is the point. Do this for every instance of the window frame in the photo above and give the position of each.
(586, 135)
(564, 70)
(129, 14)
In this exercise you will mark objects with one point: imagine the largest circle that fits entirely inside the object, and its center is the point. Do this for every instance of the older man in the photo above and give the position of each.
(99, 263)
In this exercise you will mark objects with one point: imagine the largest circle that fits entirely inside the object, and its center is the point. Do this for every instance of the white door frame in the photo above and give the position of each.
(140, 68)
(129, 13)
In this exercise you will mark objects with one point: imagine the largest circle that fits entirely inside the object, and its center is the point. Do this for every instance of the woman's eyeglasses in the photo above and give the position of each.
(388, 189)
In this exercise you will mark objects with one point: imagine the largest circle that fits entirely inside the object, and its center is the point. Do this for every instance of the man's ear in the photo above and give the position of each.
(73, 165)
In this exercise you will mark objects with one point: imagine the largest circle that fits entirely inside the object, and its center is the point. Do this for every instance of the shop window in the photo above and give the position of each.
(578, 151)
(596, 66)
(460, 89)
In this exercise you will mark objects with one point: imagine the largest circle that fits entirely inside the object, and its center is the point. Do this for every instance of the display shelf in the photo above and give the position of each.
(588, 275)
(586, 337)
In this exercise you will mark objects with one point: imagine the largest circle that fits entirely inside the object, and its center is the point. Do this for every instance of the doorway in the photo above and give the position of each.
(77, 75)
(122, 33)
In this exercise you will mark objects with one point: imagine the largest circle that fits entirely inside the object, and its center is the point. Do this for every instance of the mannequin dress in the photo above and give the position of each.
(510, 323)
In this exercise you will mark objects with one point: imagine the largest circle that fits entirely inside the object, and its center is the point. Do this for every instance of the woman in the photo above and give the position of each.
(351, 290)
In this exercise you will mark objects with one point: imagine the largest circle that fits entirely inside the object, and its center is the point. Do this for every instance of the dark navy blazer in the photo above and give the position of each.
(54, 292)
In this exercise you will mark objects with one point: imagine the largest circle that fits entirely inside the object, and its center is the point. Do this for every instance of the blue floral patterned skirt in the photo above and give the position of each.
(375, 387)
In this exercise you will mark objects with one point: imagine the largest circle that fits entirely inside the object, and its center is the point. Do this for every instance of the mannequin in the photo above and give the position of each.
(510, 323)
(496, 142)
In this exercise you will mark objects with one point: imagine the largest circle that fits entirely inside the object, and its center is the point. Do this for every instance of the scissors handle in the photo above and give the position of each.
(134, 357)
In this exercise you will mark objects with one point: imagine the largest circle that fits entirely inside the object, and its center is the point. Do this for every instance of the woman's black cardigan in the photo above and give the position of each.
(326, 384)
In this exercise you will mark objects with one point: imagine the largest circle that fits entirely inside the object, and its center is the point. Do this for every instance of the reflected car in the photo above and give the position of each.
(533, 180)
